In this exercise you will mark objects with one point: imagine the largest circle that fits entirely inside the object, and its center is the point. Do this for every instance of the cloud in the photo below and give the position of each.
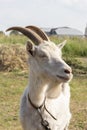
(79, 6)
(78, 3)
(6, 1)
(69, 2)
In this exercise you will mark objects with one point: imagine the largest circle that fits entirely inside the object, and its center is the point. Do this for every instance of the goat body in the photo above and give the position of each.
(44, 82)
(48, 86)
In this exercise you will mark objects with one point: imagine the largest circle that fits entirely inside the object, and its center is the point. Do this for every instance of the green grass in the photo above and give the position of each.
(75, 46)
(12, 39)
(11, 88)
(79, 103)
(12, 85)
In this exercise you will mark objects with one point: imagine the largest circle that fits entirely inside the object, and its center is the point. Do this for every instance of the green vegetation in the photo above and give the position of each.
(12, 39)
(79, 103)
(11, 88)
(75, 46)
(14, 78)
(12, 85)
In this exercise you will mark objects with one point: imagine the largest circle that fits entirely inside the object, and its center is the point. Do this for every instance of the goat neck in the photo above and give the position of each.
(40, 87)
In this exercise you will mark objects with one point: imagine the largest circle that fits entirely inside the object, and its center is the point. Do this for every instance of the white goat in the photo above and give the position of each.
(45, 102)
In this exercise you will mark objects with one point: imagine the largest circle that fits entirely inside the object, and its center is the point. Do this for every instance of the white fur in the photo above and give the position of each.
(47, 78)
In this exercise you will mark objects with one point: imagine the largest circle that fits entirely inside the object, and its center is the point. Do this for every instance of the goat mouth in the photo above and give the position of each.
(64, 78)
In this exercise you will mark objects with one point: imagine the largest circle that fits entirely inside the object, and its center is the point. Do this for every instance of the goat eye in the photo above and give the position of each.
(43, 56)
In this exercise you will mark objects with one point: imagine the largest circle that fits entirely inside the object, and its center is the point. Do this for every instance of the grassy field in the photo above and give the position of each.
(11, 88)
(12, 85)
(14, 78)
(75, 46)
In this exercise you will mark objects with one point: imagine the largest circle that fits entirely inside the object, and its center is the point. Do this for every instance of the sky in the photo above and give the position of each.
(43, 13)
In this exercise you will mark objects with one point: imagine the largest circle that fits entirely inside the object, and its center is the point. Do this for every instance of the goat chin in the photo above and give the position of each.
(65, 78)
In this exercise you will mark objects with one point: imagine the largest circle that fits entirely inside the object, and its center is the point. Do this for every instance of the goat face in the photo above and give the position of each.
(47, 59)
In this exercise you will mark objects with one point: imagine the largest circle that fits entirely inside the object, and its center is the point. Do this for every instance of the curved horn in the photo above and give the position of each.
(41, 33)
(29, 33)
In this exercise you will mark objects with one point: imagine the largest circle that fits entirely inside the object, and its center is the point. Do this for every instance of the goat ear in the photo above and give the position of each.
(30, 48)
(61, 45)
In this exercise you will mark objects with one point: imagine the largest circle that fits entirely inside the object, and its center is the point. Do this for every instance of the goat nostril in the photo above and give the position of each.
(67, 71)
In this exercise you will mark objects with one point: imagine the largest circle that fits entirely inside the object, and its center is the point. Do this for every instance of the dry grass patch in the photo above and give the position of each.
(12, 57)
